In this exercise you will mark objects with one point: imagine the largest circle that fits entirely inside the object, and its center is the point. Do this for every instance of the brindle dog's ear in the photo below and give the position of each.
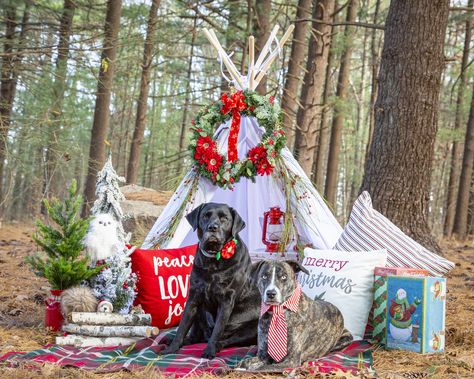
(256, 270)
(238, 224)
(297, 267)
(193, 217)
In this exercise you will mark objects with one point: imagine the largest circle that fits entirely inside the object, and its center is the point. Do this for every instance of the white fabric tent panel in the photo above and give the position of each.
(315, 222)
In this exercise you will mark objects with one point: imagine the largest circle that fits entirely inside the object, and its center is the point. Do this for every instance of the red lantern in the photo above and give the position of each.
(273, 225)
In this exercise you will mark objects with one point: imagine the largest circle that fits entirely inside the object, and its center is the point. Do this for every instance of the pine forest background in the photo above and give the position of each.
(161, 69)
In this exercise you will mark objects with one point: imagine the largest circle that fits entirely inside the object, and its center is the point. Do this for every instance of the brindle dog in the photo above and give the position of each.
(224, 302)
(314, 330)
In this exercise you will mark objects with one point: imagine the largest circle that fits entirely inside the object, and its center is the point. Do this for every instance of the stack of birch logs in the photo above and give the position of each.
(106, 329)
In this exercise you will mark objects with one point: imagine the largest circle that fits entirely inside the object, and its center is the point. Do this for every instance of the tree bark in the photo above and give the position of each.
(187, 99)
(111, 331)
(140, 121)
(101, 318)
(375, 51)
(308, 118)
(262, 32)
(52, 153)
(357, 160)
(289, 103)
(470, 212)
(458, 123)
(320, 159)
(9, 78)
(398, 168)
(100, 124)
(341, 94)
(232, 40)
(83, 341)
(460, 228)
(6, 85)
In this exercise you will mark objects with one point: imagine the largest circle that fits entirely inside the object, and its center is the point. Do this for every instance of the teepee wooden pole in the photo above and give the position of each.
(270, 60)
(210, 34)
(267, 45)
(251, 61)
(235, 69)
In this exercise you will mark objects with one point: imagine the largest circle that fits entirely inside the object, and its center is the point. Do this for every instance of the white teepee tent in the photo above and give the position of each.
(311, 220)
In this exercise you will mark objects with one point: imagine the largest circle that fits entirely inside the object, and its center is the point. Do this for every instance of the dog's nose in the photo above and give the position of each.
(271, 294)
(212, 227)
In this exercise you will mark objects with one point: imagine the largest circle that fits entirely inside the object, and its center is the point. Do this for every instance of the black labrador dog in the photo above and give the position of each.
(224, 302)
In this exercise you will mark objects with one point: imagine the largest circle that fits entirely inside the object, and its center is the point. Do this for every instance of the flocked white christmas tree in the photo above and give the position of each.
(109, 195)
(116, 282)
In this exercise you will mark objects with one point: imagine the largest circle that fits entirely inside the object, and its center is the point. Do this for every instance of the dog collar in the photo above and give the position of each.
(206, 254)
(227, 251)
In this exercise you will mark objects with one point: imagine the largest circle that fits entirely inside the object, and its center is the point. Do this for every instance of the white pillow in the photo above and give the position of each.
(345, 279)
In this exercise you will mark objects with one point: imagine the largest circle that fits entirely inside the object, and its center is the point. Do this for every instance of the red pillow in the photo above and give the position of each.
(163, 282)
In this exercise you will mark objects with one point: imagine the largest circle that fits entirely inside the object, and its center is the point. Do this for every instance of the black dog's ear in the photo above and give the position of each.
(193, 217)
(297, 267)
(238, 224)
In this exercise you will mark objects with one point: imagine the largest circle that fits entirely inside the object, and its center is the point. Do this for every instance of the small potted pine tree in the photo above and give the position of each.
(61, 262)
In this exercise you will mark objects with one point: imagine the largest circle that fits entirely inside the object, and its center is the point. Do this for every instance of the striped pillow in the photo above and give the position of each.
(367, 230)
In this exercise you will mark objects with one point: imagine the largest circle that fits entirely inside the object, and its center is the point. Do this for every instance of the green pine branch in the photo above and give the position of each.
(61, 262)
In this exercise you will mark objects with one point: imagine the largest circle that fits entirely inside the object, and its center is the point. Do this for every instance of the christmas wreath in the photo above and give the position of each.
(225, 171)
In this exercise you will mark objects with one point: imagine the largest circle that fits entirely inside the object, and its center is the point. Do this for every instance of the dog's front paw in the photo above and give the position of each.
(171, 349)
(209, 352)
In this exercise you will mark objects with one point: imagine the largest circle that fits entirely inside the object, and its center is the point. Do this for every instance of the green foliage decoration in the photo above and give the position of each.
(61, 262)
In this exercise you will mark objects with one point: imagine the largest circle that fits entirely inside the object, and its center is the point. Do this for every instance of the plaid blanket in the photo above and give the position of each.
(188, 361)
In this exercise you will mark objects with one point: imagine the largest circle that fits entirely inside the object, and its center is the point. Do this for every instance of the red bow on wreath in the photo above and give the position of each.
(235, 104)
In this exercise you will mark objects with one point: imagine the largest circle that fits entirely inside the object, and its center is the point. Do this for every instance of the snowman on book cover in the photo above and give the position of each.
(405, 315)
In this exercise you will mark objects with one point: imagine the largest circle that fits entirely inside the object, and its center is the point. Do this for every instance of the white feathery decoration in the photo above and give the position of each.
(102, 239)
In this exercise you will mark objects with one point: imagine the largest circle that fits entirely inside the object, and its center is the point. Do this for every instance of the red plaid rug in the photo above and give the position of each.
(188, 361)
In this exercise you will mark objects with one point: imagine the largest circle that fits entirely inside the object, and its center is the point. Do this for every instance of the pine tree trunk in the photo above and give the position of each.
(6, 85)
(308, 118)
(357, 160)
(187, 99)
(135, 148)
(289, 103)
(374, 48)
(8, 90)
(320, 159)
(52, 153)
(458, 123)
(465, 182)
(262, 32)
(398, 168)
(341, 94)
(232, 34)
(470, 213)
(100, 124)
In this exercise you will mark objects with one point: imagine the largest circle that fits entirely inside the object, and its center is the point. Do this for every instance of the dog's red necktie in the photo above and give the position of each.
(277, 334)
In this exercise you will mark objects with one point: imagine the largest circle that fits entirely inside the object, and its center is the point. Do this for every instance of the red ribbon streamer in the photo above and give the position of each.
(235, 104)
